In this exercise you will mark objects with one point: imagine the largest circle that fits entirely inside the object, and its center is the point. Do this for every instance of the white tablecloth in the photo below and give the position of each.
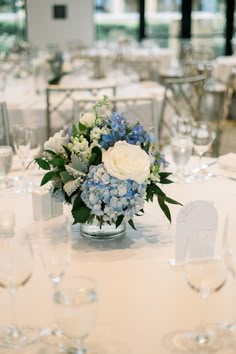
(141, 297)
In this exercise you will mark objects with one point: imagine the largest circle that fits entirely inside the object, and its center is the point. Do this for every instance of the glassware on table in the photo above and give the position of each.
(6, 157)
(54, 246)
(16, 259)
(202, 137)
(182, 125)
(181, 149)
(27, 147)
(75, 311)
(205, 272)
(229, 246)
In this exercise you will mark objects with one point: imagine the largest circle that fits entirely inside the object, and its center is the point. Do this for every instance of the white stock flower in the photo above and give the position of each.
(56, 141)
(127, 161)
(88, 119)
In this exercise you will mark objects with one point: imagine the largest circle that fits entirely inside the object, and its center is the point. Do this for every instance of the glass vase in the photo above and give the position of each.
(105, 232)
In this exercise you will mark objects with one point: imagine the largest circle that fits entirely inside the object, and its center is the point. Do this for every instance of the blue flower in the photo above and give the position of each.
(112, 198)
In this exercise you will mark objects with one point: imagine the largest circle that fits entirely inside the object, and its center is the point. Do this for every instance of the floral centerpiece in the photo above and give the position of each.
(105, 168)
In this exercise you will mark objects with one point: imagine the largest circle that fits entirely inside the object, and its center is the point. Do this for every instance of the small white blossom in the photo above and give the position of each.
(88, 119)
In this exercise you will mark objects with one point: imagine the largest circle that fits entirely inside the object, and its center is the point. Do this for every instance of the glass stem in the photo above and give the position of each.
(78, 346)
(24, 174)
(15, 332)
(202, 336)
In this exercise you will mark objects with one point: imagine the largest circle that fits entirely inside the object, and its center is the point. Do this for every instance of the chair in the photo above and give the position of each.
(182, 97)
(4, 125)
(60, 102)
(143, 109)
(216, 106)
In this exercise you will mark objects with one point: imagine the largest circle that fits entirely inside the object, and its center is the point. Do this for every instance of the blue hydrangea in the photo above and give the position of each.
(161, 160)
(139, 136)
(108, 197)
(118, 125)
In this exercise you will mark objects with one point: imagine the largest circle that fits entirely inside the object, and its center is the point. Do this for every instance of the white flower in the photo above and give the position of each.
(127, 161)
(88, 119)
(56, 141)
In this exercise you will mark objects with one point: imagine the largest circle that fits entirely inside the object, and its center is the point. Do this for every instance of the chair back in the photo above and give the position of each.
(4, 125)
(182, 97)
(143, 109)
(60, 102)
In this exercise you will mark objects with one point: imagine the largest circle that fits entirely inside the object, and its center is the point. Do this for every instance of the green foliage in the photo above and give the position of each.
(80, 211)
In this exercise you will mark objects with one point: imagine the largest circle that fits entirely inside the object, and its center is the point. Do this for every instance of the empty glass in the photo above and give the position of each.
(54, 245)
(6, 156)
(16, 267)
(27, 147)
(202, 137)
(205, 272)
(181, 148)
(75, 311)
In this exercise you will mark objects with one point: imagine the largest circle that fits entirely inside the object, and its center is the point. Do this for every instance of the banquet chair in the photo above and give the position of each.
(182, 97)
(142, 109)
(59, 101)
(216, 107)
(4, 125)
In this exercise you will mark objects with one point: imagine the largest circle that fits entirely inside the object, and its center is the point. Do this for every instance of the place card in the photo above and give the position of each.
(44, 205)
(198, 220)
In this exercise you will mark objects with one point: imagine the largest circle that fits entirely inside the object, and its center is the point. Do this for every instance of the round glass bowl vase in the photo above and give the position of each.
(94, 231)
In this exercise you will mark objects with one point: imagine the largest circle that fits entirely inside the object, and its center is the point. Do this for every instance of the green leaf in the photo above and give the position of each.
(171, 201)
(164, 175)
(74, 130)
(96, 156)
(82, 127)
(130, 221)
(65, 176)
(42, 164)
(58, 162)
(80, 211)
(156, 190)
(164, 208)
(47, 177)
(50, 152)
(166, 181)
(119, 220)
(68, 152)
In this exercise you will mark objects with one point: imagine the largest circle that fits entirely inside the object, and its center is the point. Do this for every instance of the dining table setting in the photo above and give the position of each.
(109, 246)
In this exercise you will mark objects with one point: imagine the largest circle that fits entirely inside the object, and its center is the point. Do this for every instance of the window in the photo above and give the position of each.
(116, 19)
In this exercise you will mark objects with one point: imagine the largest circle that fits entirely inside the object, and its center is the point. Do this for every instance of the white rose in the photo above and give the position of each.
(127, 161)
(88, 119)
(56, 141)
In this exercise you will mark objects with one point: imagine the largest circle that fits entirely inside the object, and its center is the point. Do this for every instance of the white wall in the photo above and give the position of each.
(43, 29)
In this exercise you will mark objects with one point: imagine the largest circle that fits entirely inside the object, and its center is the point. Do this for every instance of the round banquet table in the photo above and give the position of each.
(141, 298)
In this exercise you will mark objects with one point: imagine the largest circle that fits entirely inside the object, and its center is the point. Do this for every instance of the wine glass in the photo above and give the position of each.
(202, 137)
(75, 310)
(21, 141)
(229, 246)
(205, 272)
(181, 149)
(27, 147)
(54, 246)
(16, 259)
(6, 156)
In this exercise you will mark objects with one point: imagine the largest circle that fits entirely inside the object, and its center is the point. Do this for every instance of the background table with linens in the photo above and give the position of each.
(141, 298)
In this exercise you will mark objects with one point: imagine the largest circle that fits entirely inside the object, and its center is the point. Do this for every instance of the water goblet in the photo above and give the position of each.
(181, 149)
(16, 259)
(202, 137)
(6, 156)
(205, 272)
(75, 311)
(54, 247)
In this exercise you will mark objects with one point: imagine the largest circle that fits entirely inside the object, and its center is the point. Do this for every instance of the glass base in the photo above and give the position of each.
(53, 337)
(11, 338)
(194, 341)
(106, 232)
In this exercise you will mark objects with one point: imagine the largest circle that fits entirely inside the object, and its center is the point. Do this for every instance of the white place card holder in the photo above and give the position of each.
(44, 205)
(198, 220)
